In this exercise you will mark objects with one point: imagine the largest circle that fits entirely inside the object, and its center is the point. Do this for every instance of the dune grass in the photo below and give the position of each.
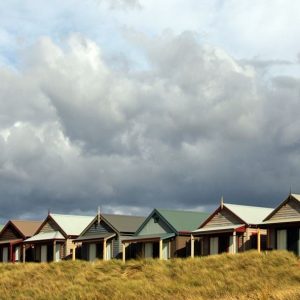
(272, 275)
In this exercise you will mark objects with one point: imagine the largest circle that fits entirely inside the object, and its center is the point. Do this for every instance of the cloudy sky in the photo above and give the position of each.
(139, 104)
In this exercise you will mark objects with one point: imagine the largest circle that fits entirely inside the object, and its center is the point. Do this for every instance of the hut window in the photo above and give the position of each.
(156, 219)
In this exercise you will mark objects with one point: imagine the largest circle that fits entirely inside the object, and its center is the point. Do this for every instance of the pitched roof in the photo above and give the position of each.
(296, 196)
(182, 220)
(72, 224)
(26, 227)
(249, 214)
(124, 223)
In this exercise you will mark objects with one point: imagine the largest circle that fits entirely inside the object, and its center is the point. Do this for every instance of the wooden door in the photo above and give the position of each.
(213, 245)
(44, 253)
(57, 252)
(92, 252)
(17, 253)
(165, 250)
(5, 254)
(148, 250)
(281, 239)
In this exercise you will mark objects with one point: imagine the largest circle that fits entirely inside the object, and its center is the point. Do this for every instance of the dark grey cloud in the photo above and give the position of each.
(76, 132)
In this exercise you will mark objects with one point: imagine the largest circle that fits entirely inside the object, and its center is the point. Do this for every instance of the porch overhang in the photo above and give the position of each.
(11, 242)
(148, 238)
(94, 237)
(279, 222)
(45, 236)
(219, 229)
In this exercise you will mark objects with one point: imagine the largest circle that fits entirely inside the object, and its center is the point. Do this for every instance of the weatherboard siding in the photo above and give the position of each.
(96, 228)
(50, 226)
(222, 218)
(154, 226)
(291, 209)
(69, 245)
(9, 234)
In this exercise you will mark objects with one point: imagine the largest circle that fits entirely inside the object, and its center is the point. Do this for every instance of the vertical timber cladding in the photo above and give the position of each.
(271, 238)
(116, 247)
(173, 247)
(205, 246)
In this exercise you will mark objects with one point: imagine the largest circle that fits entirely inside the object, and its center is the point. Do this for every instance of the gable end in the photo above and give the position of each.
(10, 233)
(155, 224)
(98, 228)
(288, 210)
(49, 225)
(222, 217)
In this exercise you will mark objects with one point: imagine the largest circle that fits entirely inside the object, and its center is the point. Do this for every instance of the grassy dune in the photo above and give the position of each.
(272, 275)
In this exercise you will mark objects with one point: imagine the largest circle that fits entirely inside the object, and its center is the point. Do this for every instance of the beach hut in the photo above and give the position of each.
(12, 236)
(53, 239)
(164, 234)
(102, 238)
(283, 225)
(231, 228)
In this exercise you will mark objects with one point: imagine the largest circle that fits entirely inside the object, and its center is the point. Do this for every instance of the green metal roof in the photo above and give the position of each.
(124, 223)
(183, 220)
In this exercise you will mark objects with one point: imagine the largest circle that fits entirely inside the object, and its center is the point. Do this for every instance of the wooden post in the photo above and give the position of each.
(268, 239)
(74, 253)
(123, 252)
(160, 249)
(104, 249)
(258, 239)
(54, 250)
(299, 243)
(234, 242)
(11, 253)
(244, 241)
(24, 252)
(192, 246)
(202, 245)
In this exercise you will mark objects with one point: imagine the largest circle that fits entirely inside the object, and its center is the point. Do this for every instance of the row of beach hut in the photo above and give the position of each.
(163, 234)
